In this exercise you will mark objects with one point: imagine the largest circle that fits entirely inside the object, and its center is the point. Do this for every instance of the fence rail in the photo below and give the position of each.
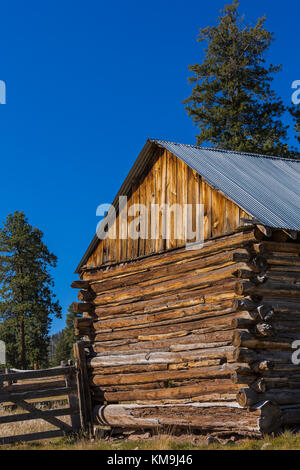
(19, 386)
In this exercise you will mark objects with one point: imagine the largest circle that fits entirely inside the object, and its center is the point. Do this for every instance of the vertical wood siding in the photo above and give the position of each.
(167, 180)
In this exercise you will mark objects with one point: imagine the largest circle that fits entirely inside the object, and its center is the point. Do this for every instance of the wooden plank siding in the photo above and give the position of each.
(166, 180)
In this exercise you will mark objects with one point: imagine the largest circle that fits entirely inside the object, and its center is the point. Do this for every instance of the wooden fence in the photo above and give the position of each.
(17, 387)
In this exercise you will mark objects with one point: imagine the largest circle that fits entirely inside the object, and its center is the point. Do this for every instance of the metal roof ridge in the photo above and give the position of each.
(218, 149)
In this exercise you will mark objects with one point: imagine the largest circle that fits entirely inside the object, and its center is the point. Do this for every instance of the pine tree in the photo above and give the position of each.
(295, 112)
(27, 302)
(232, 101)
(64, 347)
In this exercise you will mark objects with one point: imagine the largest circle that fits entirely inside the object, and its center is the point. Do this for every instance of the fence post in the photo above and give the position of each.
(84, 395)
(73, 399)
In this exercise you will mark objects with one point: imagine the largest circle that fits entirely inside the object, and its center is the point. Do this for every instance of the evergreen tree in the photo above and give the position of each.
(295, 112)
(232, 101)
(26, 299)
(64, 347)
(53, 340)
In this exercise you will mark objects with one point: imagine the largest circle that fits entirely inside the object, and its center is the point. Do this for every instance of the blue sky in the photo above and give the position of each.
(87, 84)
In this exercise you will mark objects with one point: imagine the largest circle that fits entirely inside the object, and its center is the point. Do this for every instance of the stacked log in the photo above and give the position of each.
(207, 330)
(207, 416)
(265, 341)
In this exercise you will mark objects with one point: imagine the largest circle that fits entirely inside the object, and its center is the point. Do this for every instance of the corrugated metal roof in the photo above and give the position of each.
(268, 188)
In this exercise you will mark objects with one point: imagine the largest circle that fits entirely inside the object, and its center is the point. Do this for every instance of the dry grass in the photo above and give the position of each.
(27, 427)
(285, 441)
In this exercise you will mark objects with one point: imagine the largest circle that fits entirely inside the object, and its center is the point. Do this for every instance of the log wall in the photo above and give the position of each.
(266, 342)
(212, 328)
(187, 336)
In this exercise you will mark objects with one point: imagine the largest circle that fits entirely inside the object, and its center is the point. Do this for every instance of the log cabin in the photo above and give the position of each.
(195, 328)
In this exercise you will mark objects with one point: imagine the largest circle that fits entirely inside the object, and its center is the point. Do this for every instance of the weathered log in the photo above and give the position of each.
(285, 306)
(82, 307)
(293, 234)
(80, 284)
(250, 275)
(286, 324)
(259, 264)
(259, 385)
(244, 274)
(247, 397)
(83, 322)
(159, 357)
(242, 338)
(267, 247)
(262, 419)
(251, 356)
(264, 329)
(163, 273)
(286, 262)
(244, 304)
(200, 326)
(204, 345)
(289, 382)
(284, 276)
(83, 332)
(268, 288)
(85, 295)
(131, 368)
(211, 339)
(265, 312)
(224, 288)
(209, 248)
(242, 379)
(281, 236)
(167, 302)
(156, 287)
(256, 311)
(243, 323)
(213, 372)
(206, 315)
(256, 384)
(272, 246)
(267, 231)
(172, 316)
(290, 414)
(262, 366)
(205, 388)
(204, 362)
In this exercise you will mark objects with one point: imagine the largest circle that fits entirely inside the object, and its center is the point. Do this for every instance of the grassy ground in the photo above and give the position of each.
(27, 427)
(285, 441)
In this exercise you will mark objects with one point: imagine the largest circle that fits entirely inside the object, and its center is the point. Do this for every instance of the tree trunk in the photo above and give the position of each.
(22, 344)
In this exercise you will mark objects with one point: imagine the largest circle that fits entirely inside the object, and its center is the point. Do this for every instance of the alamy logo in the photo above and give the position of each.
(296, 354)
(2, 353)
(296, 94)
(2, 92)
(159, 221)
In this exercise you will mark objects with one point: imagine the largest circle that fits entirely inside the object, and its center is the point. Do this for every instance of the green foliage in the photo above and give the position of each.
(232, 101)
(295, 112)
(27, 302)
(64, 347)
